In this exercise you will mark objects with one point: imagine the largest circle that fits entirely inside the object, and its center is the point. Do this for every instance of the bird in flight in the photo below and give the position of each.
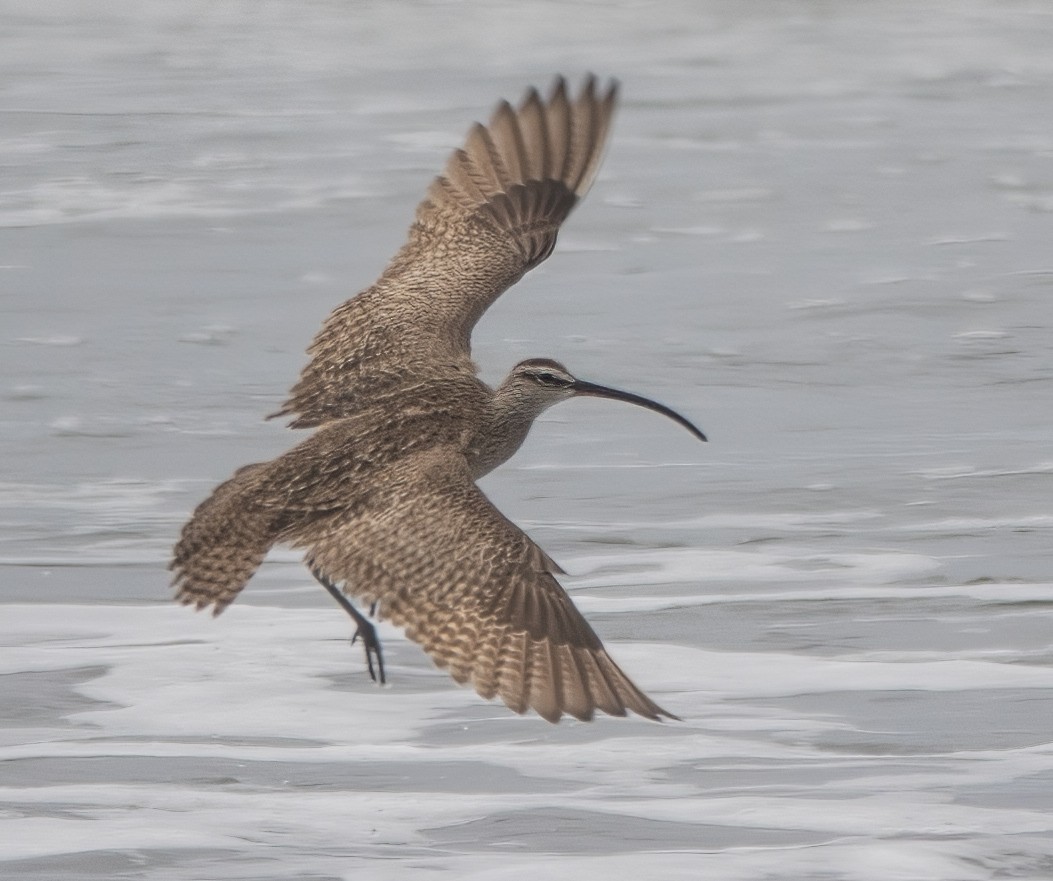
(382, 497)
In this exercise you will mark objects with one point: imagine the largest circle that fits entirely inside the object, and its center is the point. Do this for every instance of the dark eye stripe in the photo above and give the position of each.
(550, 379)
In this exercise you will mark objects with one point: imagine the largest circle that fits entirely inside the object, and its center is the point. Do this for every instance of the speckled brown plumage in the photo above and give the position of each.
(382, 496)
(490, 217)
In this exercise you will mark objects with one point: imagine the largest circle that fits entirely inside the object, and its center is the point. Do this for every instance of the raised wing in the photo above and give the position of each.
(476, 593)
(490, 217)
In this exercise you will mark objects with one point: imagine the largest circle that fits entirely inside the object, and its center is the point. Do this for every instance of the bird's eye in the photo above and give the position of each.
(550, 379)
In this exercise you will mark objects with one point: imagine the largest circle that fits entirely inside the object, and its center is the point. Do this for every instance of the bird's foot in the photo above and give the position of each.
(368, 634)
(365, 628)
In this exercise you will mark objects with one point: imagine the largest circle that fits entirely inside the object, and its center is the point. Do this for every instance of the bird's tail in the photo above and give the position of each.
(223, 543)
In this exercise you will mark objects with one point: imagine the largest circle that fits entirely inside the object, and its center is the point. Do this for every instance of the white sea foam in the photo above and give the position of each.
(255, 687)
(1008, 593)
(794, 564)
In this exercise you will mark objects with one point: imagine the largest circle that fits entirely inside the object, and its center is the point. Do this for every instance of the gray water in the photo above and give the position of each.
(822, 231)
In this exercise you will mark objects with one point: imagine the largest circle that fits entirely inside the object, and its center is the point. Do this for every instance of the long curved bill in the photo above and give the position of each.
(581, 387)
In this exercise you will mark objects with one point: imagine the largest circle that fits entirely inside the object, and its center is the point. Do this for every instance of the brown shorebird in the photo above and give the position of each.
(382, 496)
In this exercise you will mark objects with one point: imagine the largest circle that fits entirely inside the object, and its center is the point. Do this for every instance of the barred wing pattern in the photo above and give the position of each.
(335, 470)
(381, 496)
(490, 610)
(490, 217)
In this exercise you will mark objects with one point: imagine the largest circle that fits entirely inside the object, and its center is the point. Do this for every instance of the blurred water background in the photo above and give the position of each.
(822, 231)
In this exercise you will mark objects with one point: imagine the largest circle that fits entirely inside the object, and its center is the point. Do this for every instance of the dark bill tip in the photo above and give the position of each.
(601, 391)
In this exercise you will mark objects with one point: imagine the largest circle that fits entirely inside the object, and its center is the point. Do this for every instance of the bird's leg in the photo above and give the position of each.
(366, 630)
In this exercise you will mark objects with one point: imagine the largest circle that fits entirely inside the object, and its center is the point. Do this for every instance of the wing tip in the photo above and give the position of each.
(653, 713)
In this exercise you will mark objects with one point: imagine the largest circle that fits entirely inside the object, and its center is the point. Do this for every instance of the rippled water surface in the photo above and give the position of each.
(822, 231)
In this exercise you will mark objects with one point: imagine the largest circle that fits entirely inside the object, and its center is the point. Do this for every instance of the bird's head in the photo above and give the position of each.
(536, 384)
